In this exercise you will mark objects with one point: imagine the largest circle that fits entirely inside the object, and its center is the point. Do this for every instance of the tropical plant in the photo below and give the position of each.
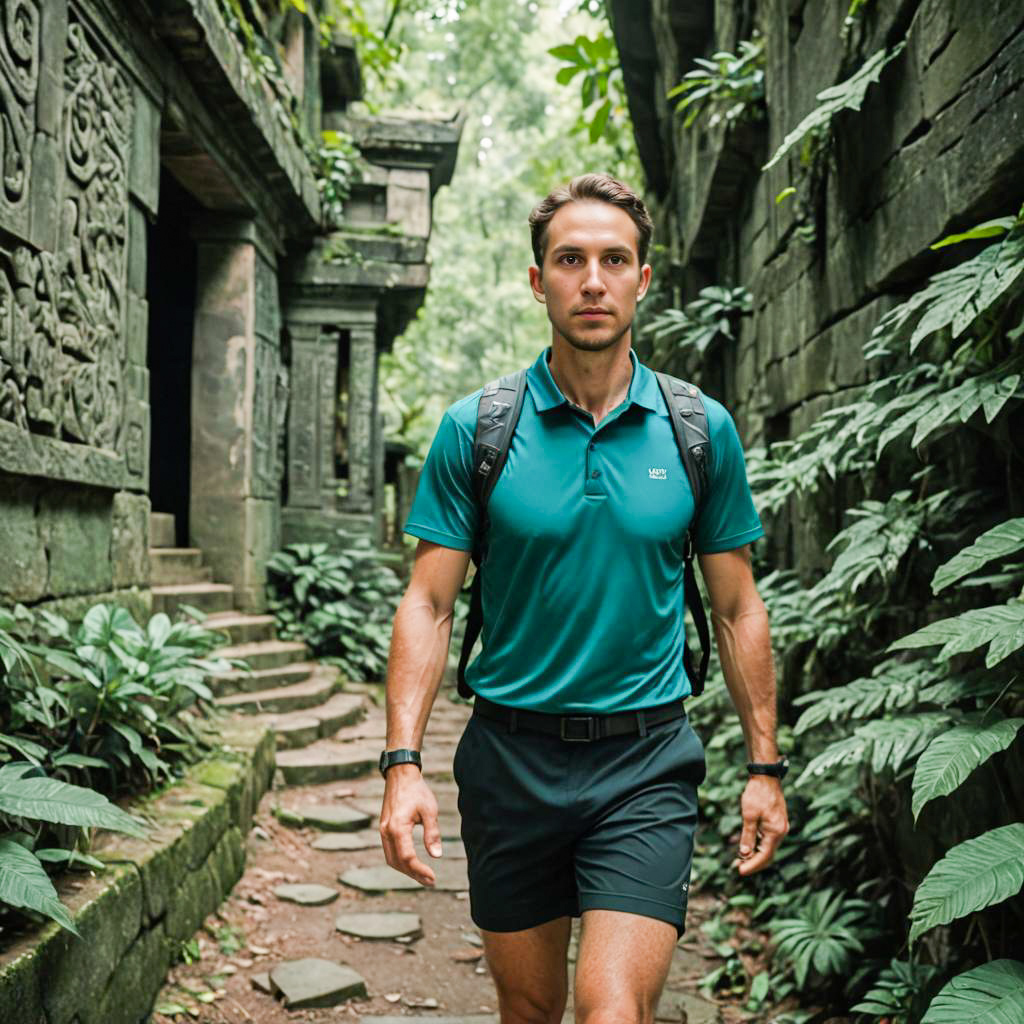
(340, 603)
(339, 166)
(712, 317)
(602, 92)
(900, 993)
(728, 88)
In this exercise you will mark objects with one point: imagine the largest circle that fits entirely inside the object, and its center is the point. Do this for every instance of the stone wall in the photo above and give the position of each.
(154, 895)
(937, 147)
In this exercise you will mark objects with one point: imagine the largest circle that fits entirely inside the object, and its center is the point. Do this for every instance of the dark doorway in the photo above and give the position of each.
(171, 292)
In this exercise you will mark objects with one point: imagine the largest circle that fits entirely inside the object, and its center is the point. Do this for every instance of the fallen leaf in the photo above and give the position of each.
(429, 1003)
(467, 956)
(393, 997)
(259, 950)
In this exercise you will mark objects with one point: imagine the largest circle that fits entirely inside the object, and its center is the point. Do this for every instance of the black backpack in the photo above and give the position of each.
(498, 414)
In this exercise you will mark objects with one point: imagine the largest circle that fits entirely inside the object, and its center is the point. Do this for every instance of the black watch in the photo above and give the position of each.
(390, 757)
(778, 768)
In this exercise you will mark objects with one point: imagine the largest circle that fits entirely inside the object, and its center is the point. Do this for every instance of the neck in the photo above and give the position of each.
(597, 382)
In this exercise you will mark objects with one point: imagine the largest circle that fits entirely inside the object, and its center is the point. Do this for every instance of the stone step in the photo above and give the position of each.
(307, 694)
(207, 597)
(326, 761)
(161, 530)
(300, 728)
(235, 682)
(178, 565)
(266, 653)
(241, 628)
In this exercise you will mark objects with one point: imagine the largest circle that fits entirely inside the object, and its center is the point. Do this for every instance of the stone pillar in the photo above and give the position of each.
(310, 415)
(361, 388)
(233, 512)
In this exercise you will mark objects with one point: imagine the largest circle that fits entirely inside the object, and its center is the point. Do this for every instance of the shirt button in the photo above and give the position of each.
(596, 473)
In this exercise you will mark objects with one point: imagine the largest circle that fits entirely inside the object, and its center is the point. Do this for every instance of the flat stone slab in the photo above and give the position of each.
(326, 817)
(326, 761)
(449, 877)
(378, 879)
(313, 983)
(380, 926)
(687, 1008)
(334, 842)
(306, 895)
(261, 982)
(472, 1018)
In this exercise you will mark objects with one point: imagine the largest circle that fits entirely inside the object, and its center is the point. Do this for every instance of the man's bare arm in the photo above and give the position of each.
(416, 663)
(742, 634)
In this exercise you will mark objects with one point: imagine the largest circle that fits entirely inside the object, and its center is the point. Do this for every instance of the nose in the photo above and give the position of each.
(592, 282)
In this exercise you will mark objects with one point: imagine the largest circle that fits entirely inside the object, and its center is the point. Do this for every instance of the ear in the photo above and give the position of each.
(645, 281)
(537, 284)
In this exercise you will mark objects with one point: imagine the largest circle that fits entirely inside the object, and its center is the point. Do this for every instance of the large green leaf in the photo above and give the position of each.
(953, 755)
(1000, 626)
(24, 883)
(1001, 540)
(63, 804)
(990, 994)
(972, 876)
(848, 95)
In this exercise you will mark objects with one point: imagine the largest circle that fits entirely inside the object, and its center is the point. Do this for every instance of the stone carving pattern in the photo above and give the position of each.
(362, 357)
(62, 315)
(264, 421)
(303, 479)
(19, 83)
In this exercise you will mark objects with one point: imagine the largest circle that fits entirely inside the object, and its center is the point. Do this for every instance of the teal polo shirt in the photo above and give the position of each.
(583, 583)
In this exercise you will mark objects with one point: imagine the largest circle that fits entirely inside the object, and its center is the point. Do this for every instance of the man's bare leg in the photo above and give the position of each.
(621, 968)
(530, 971)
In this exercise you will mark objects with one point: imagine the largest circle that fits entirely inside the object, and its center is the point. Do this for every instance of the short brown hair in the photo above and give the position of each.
(591, 186)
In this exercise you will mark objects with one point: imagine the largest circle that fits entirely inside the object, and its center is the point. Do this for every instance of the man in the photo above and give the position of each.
(583, 632)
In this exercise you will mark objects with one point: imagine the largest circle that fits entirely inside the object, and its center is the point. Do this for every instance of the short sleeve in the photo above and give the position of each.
(729, 519)
(444, 510)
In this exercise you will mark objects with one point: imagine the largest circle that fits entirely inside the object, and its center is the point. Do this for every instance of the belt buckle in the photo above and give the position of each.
(591, 724)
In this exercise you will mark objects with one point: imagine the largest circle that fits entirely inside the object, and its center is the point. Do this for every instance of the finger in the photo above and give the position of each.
(748, 837)
(763, 856)
(431, 833)
(407, 861)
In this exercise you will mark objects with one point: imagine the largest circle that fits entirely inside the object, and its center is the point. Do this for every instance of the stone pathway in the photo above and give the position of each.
(319, 922)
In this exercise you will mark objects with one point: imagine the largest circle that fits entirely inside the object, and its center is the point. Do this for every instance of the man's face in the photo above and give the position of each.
(591, 278)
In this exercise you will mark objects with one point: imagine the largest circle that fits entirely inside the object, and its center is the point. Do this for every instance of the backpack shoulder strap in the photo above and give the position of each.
(501, 402)
(693, 439)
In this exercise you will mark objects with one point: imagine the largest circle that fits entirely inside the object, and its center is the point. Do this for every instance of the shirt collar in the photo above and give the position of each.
(643, 387)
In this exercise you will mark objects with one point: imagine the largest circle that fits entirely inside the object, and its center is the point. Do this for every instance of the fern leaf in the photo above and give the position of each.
(973, 875)
(59, 802)
(848, 95)
(953, 755)
(990, 994)
(999, 626)
(24, 884)
(1001, 540)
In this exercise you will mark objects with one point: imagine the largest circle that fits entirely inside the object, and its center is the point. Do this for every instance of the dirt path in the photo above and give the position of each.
(440, 976)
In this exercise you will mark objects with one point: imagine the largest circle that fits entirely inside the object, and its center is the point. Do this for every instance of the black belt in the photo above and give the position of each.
(580, 728)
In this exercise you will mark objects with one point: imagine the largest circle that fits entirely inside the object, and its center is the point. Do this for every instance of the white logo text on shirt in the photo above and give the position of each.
(657, 474)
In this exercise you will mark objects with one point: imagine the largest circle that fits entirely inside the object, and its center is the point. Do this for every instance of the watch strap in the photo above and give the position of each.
(389, 758)
(777, 769)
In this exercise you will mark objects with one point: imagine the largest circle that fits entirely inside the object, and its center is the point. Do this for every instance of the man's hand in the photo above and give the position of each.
(764, 823)
(408, 800)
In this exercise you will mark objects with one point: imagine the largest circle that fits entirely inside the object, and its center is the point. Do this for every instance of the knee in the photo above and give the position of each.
(532, 1007)
(615, 1012)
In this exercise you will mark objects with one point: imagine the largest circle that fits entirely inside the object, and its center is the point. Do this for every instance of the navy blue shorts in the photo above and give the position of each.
(553, 828)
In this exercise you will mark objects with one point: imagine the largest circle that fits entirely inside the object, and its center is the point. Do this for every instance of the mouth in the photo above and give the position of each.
(593, 314)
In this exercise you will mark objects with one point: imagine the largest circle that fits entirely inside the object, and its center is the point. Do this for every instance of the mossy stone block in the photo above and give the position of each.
(134, 983)
(197, 896)
(203, 813)
(21, 996)
(108, 914)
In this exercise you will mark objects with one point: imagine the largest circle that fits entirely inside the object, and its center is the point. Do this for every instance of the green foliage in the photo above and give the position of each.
(847, 95)
(26, 798)
(727, 88)
(973, 875)
(822, 939)
(900, 993)
(1001, 540)
(713, 316)
(951, 757)
(340, 604)
(339, 165)
(602, 92)
(1000, 627)
(990, 994)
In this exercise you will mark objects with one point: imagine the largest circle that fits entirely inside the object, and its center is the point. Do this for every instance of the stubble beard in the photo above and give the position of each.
(588, 343)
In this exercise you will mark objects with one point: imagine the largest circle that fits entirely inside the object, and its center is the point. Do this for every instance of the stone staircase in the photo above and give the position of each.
(315, 714)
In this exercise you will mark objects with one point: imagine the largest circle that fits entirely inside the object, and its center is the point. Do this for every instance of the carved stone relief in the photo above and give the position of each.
(62, 330)
(264, 420)
(362, 359)
(19, 83)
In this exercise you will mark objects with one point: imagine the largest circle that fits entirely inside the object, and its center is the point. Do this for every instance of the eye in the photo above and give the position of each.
(569, 256)
(616, 256)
